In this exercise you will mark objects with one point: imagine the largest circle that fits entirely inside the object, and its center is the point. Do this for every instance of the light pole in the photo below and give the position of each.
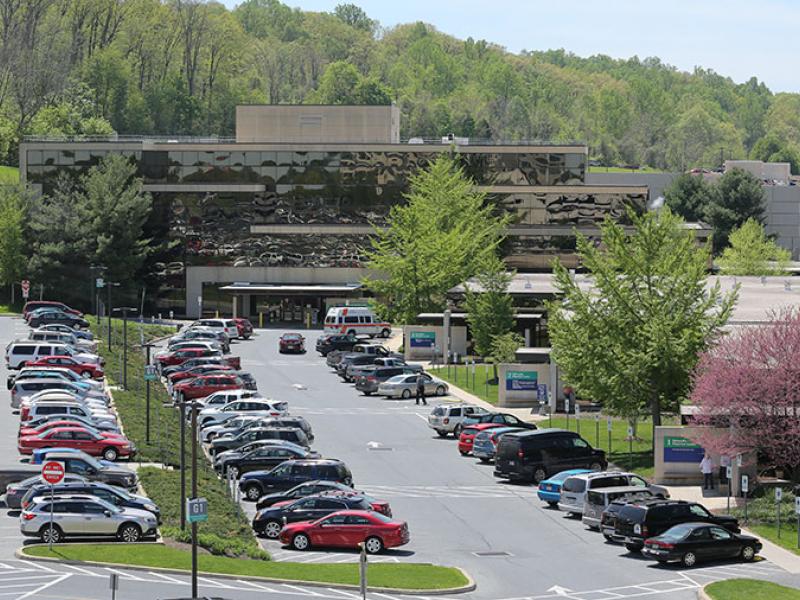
(125, 310)
(193, 408)
(147, 348)
(94, 299)
(182, 418)
(109, 285)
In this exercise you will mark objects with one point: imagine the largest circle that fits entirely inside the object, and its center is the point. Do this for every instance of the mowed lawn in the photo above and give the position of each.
(750, 589)
(9, 175)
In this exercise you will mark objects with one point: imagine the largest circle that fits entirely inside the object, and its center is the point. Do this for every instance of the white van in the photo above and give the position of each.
(37, 335)
(20, 352)
(356, 320)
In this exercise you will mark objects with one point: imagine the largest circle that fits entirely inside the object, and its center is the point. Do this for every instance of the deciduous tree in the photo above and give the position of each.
(490, 310)
(751, 252)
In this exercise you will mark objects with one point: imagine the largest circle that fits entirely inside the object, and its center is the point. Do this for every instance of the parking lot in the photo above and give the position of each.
(458, 513)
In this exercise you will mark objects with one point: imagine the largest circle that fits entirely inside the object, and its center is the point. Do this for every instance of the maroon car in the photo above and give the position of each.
(197, 371)
(244, 327)
(291, 342)
(202, 386)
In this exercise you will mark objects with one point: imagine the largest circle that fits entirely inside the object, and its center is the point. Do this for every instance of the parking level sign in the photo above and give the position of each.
(196, 509)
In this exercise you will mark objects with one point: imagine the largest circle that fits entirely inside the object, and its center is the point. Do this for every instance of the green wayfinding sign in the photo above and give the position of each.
(681, 449)
(423, 339)
(521, 381)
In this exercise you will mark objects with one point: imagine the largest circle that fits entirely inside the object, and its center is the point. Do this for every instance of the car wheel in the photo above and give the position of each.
(689, 559)
(483, 460)
(301, 542)
(595, 466)
(608, 537)
(368, 393)
(463, 453)
(110, 454)
(252, 492)
(539, 474)
(440, 391)
(633, 548)
(129, 533)
(272, 529)
(457, 431)
(552, 504)
(86, 374)
(351, 332)
(748, 553)
(373, 545)
(386, 333)
(441, 433)
(406, 394)
(57, 536)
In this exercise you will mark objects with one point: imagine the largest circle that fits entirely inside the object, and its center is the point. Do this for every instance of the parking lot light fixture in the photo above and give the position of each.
(124, 310)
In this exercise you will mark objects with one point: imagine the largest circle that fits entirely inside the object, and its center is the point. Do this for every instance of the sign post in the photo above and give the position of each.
(566, 408)
(113, 583)
(578, 417)
(630, 447)
(778, 498)
(728, 475)
(597, 429)
(52, 473)
(797, 511)
(609, 426)
(745, 490)
(25, 285)
(362, 571)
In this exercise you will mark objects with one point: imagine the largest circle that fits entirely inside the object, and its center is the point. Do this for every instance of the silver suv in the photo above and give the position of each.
(84, 516)
(445, 418)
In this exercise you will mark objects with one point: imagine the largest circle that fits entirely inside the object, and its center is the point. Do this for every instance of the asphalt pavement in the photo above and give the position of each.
(458, 513)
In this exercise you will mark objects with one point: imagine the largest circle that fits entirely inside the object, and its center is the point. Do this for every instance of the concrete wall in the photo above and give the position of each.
(314, 123)
(656, 182)
(518, 377)
(458, 335)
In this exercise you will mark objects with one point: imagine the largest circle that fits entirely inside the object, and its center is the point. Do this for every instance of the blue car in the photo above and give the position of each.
(40, 454)
(484, 445)
(550, 489)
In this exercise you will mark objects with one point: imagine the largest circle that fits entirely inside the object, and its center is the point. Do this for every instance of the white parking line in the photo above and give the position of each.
(124, 574)
(166, 577)
(301, 590)
(257, 586)
(37, 566)
(345, 594)
(212, 583)
(45, 586)
(81, 570)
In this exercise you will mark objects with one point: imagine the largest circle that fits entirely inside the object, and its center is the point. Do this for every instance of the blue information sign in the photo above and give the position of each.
(423, 339)
(522, 381)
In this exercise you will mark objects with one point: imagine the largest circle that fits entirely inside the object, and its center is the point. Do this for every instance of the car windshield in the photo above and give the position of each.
(291, 336)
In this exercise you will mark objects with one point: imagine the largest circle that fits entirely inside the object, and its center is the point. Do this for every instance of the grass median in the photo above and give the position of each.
(762, 519)
(750, 589)
(410, 576)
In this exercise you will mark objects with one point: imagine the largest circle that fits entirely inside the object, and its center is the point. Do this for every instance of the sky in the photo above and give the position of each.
(735, 38)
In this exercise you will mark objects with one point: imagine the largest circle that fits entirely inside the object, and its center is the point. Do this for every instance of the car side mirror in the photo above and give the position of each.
(107, 513)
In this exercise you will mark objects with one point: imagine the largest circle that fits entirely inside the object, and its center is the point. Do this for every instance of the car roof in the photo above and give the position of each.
(622, 488)
(538, 432)
(597, 474)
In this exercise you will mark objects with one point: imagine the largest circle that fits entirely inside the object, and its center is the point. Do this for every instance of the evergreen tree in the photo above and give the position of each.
(490, 310)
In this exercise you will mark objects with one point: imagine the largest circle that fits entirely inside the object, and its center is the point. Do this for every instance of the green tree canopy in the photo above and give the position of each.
(739, 197)
(490, 310)
(14, 202)
(434, 242)
(751, 252)
(689, 196)
(630, 336)
(343, 84)
(771, 148)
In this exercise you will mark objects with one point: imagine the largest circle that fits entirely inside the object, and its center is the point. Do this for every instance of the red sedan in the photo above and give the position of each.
(347, 529)
(291, 342)
(244, 327)
(202, 386)
(197, 371)
(467, 437)
(110, 448)
(48, 425)
(181, 356)
(67, 362)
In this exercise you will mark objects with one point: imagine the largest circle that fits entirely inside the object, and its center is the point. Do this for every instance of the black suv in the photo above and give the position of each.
(535, 455)
(94, 470)
(263, 457)
(291, 473)
(309, 488)
(268, 522)
(644, 519)
(52, 317)
(329, 343)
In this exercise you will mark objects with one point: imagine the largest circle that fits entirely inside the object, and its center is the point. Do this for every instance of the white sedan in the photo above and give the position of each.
(405, 386)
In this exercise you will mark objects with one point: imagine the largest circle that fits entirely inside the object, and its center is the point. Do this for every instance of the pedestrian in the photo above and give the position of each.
(707, 468)
(421, 389)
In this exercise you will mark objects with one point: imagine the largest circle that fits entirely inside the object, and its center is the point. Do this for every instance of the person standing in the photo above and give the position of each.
(707, 468)
(421, 389)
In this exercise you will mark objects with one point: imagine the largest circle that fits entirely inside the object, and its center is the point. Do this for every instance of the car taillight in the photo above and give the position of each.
(520, 454)
(660, 544)
(371, 379)
(446, 421)
(25, 504)
(28, 516)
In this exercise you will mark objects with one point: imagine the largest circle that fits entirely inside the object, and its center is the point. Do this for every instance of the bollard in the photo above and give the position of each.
(261, 320)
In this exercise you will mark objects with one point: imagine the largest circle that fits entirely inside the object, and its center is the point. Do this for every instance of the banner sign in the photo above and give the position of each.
(682, 450)
(423, 339)
(522, 381)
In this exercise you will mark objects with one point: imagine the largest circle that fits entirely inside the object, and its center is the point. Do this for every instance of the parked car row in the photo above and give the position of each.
(255, 440)
(66, 415)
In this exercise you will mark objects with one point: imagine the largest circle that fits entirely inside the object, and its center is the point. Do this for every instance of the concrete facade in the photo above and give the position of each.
(314, 123)
(458, 341)
(520, 384)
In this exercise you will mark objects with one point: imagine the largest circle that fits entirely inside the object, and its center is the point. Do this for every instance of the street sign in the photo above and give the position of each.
(98, 283)
(609, 424)
(630, 431)
(745, 484)
(728, 472)
(53, 472)
(739, 460)
(778, 494)
(150, 373)
(26, 288)
(196, 509)
(577, 410)
(797, 504)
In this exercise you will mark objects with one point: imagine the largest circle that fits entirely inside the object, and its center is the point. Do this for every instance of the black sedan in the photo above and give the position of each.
(56, 317)
(261, 458)
(690, 543)
(329, 343)
(308, 488)
(270, 521)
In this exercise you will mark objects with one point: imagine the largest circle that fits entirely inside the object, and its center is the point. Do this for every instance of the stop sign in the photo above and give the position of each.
(53, 472)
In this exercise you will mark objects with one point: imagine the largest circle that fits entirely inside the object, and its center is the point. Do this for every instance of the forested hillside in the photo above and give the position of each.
(71, 67)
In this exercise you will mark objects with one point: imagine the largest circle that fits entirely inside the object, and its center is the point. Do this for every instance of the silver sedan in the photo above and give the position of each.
(405, 386)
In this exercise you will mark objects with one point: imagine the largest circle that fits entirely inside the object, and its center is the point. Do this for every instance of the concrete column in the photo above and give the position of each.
(246, 305)
(235, 305)
(527, 337)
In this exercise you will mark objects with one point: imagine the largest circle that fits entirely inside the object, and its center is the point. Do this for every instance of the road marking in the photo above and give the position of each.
(166, 577)
(212, 583)
(123, 574)
(81, 570)
(257, 586)
(45, 586)
(301, 590)
(345, 594)
(37, 567)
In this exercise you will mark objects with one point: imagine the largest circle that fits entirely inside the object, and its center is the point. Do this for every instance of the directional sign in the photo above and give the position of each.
(26, 288)
(745, 484)
(577, 410)
(630, 431)
(797, 504)
(196, 509)
(98, 283)
(53, 472)
(728, 472)
(150, 373)
(739, 460)
(609, 424)
(778, 494)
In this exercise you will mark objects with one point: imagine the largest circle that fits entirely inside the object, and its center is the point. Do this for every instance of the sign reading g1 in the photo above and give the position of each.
(196, 509)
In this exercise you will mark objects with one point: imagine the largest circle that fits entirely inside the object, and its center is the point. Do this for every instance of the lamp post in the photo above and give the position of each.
(109, 285)
(147, 377)
(182, 418)
(94, 299)
(125, 310)
(193, 407)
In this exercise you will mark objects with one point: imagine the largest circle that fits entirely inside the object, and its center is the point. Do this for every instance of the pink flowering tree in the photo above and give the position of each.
(749, 383)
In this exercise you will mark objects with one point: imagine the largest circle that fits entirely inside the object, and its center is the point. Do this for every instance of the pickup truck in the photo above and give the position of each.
(334, 358)
(355, 371)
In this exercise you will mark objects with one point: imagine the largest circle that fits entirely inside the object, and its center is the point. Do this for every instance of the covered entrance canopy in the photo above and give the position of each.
(291, 303)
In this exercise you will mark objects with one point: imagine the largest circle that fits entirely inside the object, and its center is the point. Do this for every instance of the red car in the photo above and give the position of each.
(110, 448)
(244, 327)
(67, 362)
(467, 437)
(291, 342)
(347, 529)
(381, 506)
(197, 371)
(181, 356)
(34, 304)
(202, 386)
(48, 425)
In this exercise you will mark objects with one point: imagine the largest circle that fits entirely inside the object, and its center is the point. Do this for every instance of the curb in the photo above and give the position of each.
(468, 587)
(701, 594)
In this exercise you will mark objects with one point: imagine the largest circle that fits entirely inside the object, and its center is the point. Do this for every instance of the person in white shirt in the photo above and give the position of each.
(707, 468)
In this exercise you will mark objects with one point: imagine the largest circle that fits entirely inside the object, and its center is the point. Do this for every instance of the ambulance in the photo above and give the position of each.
(358, 320)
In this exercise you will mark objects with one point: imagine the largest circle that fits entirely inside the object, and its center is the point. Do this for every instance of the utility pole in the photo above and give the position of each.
(149, 373)
(182, 417)
(193, 408)
(109, 285)
(124, 310)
